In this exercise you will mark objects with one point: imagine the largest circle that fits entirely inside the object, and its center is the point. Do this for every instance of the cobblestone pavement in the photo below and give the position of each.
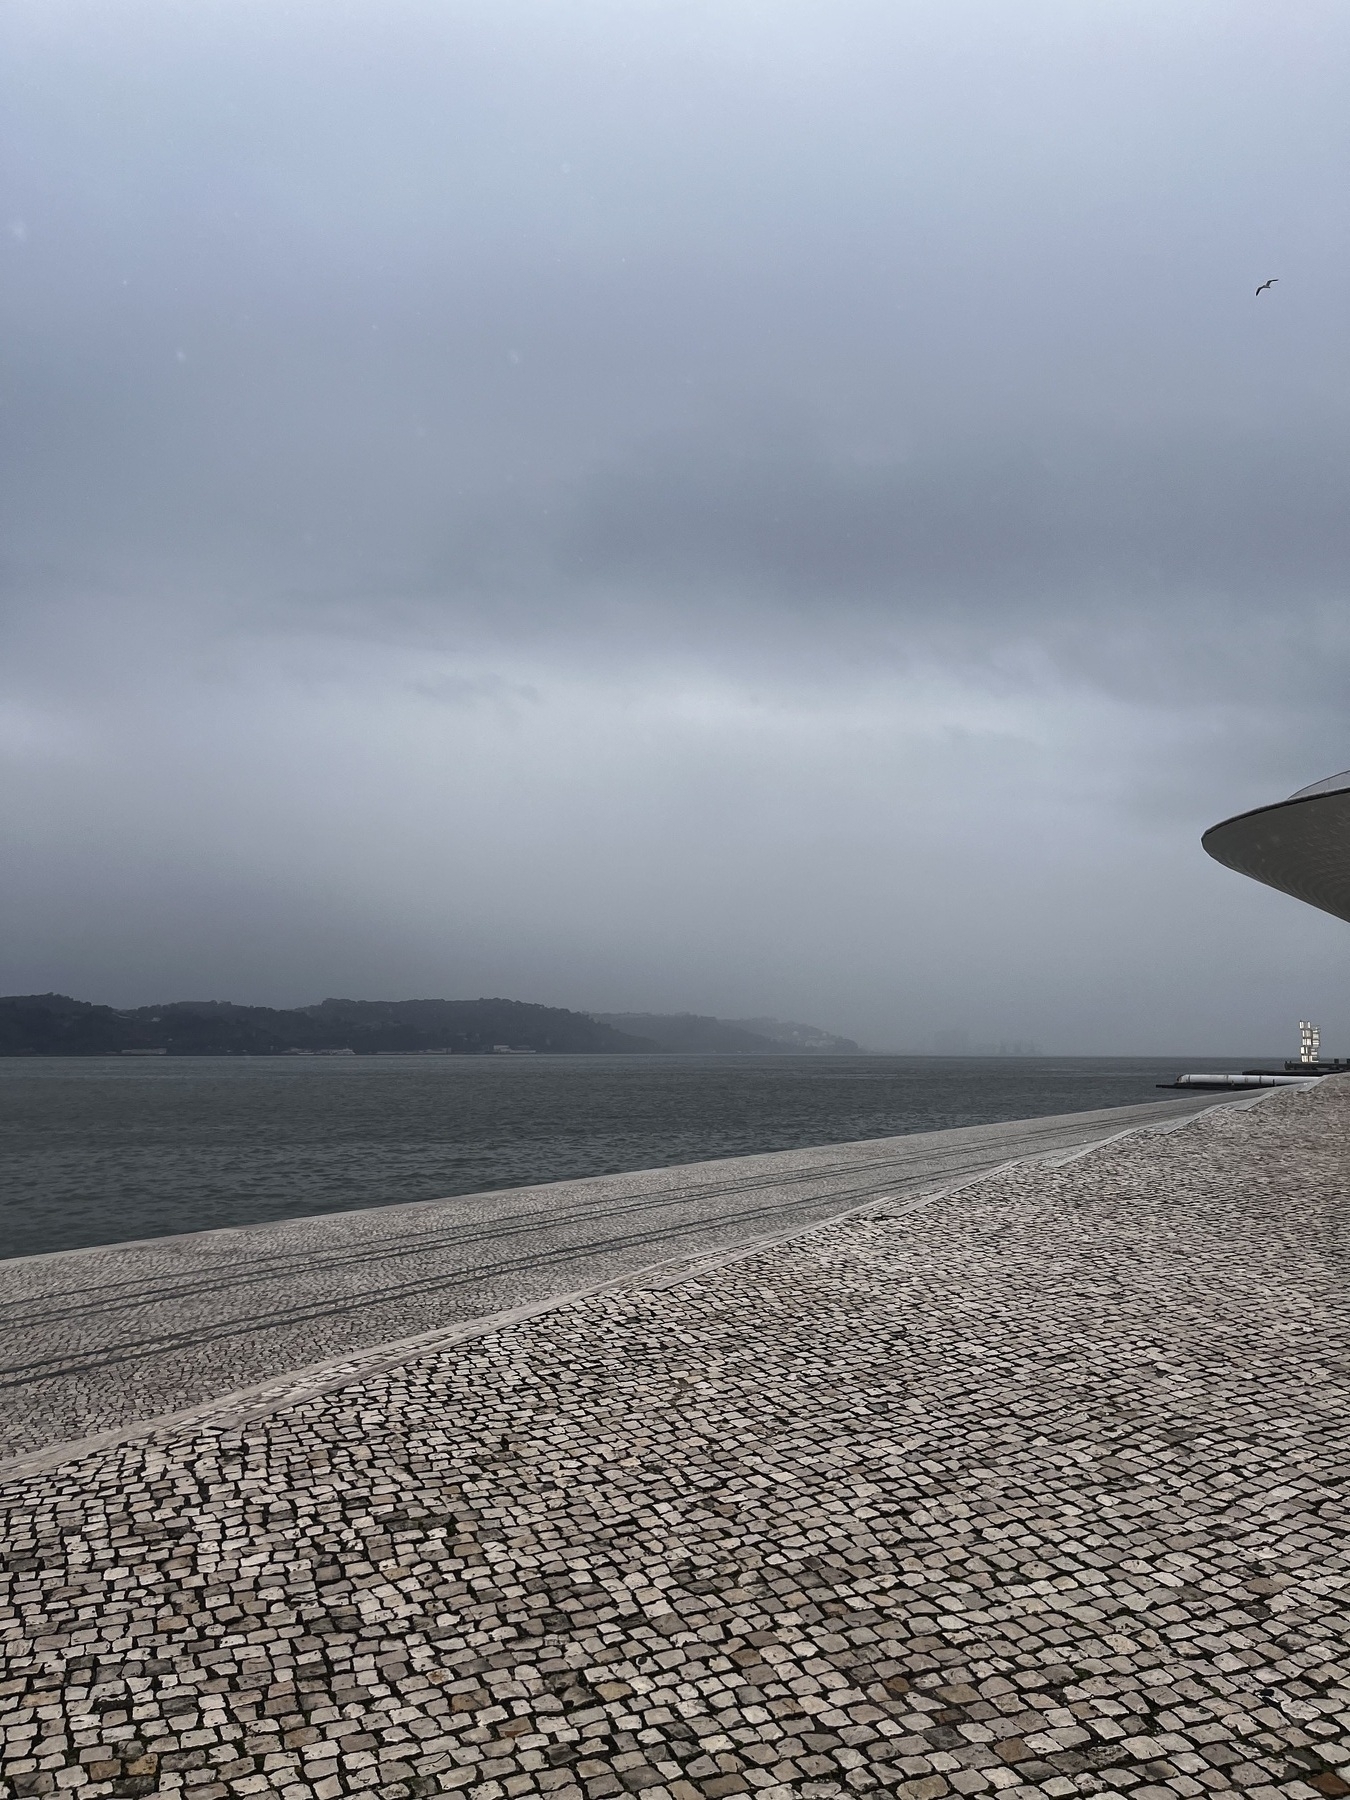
(1038, 1490)
(94, 1339)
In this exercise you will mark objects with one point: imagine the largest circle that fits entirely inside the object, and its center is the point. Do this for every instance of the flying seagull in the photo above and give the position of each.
(1265, 284)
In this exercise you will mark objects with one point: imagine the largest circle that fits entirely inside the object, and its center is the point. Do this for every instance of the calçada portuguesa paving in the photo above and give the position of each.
(1038, 1489)
(102, 1341)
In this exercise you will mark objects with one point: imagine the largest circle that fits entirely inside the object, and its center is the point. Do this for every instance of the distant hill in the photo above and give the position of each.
(695, 1034)
(805, 1038)
(55, 1025)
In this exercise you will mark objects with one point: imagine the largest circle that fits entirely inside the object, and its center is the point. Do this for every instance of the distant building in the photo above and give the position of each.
(1300, 845)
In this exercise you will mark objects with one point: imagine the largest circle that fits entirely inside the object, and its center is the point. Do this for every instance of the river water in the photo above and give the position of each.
(103, 1149)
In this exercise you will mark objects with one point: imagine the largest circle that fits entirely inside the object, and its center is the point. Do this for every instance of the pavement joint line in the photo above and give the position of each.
(1062, 1158)
(226, 1412)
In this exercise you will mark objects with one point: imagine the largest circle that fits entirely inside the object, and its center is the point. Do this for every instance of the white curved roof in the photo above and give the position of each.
(1300, 845)
(1330, 784)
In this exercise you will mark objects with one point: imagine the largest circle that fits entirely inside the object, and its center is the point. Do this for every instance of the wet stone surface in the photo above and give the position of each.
(94, 1340)
(1038, 1491)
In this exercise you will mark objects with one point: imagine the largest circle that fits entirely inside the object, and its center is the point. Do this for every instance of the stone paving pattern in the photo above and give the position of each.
(1040, 1490)
(95, 1339)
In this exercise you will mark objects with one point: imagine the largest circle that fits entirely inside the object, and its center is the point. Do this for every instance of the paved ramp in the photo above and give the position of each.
(96, 1340)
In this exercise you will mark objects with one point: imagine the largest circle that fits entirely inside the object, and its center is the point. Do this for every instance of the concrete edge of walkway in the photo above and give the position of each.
(227, 1412)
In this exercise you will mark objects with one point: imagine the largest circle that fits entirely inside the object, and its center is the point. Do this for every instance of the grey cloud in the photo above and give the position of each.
(564, 420)
(988, 523)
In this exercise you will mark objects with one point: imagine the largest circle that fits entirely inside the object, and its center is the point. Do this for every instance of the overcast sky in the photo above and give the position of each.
(753, 508)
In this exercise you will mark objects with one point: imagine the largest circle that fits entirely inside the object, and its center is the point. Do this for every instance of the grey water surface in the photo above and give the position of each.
(101, 1150)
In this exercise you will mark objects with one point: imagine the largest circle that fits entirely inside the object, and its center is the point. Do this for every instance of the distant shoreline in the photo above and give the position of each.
(56, 1025)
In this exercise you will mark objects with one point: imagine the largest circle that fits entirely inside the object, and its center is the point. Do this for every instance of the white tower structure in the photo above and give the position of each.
(1309, 1041)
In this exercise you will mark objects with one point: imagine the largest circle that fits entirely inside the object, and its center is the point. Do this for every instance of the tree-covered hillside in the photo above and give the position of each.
(55, 1025)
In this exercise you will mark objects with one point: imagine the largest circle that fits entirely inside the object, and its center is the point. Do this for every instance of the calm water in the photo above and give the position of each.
(97, 1150)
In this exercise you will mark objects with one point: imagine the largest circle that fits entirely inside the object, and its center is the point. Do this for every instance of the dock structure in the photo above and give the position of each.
(1026, 1481)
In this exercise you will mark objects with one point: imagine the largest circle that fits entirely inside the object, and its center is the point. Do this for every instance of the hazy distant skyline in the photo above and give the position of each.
(786, 510)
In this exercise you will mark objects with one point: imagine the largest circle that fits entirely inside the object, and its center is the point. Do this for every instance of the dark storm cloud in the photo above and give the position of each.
(986, 525)
(648, 385)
